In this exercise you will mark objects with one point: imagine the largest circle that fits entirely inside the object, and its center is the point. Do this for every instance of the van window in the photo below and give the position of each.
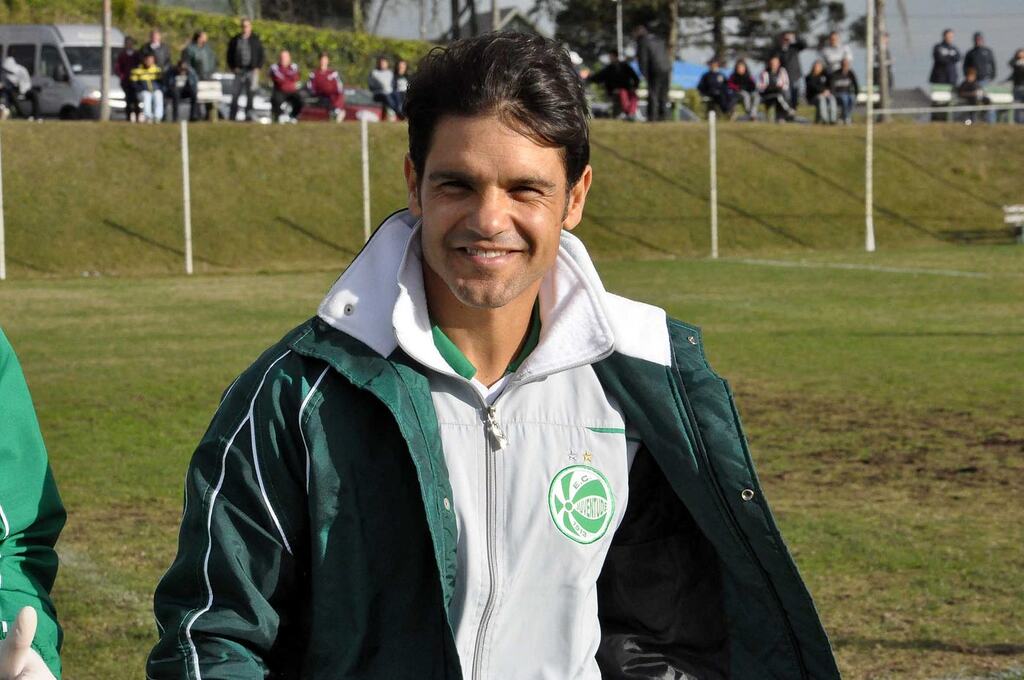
(88, 61)
(25, 55)
(49, 60)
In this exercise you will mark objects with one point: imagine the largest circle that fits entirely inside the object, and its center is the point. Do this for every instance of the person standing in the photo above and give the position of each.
(326, 85)
(620, 82)
(819, 95)
(245, 59)
(160, 51)
(31, 519)
(401, 83)
(834, 51)
(790, 47)
(285, 76)
(656, 68)
(1017, 78)
(127, 60)
(382, 86)
(945, 57)
(203, 62)
(983, 61)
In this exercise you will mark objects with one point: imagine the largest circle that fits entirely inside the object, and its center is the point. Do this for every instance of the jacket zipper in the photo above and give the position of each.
(727, 511)
(496, 441)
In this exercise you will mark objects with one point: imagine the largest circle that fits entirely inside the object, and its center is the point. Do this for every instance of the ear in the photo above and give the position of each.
(577, 198)
(412, 182)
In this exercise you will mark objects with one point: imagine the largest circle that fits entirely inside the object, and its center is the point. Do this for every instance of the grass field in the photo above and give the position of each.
(883, 407)
(107, 198)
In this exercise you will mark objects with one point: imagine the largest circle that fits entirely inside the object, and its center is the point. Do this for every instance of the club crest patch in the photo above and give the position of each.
(581, 503)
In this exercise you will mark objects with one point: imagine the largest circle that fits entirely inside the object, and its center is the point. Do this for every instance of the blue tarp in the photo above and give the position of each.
(684, 74)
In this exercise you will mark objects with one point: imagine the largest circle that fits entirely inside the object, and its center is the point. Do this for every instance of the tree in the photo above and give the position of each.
(858, 34)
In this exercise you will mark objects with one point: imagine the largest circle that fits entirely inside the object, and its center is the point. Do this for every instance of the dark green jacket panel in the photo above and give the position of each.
(339, 582)
(720, 434)
(31, 512)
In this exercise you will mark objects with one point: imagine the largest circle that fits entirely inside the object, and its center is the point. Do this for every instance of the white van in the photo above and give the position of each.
(65, 63)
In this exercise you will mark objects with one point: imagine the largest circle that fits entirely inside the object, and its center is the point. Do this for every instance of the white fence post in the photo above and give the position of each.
(869, 150)
(713, 150)
(3, 251)
(186, 197)
(366, 179)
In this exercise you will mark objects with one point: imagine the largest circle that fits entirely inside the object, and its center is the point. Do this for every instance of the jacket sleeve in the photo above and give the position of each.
(232, 44)
(31, 513)
(227, 606)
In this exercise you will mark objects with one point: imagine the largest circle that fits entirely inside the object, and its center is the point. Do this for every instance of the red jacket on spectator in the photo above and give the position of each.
(327, 83)
(126, 61)
(286, 78)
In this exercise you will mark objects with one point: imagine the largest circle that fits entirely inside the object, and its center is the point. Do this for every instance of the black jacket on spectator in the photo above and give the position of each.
(652, 55)
(983, 61)
(944, 60)
(743, 82)
(712, 84)
(790, 58)
(1017, 76)
(161, 52)
(256, 55)
(843, 83)
(618, 75)
(817, 84)
(971, 92)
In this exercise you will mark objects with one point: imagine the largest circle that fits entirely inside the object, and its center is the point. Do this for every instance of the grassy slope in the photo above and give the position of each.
(882, 409)
(108, 198)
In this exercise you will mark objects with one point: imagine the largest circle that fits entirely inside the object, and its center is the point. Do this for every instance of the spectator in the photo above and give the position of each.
(774, 88)
(245, 59)
(819, 95)
(203, 62)
(620, 82)
(325, 84)
(972, 93)
(382, 85)
(982, 59)
(158, 49)
(180, 82)
(17, 87)
(834, 52)
(127, 60)
(714, 89)
(845, 88)
(401, 83)
(31, 519)
(656, 67)
(742, 84)
(1017, 78)
(790, 47)
(285, 76)
(945, 57)
(146, 80)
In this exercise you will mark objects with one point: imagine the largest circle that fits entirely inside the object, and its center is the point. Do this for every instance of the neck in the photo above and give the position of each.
(489, 338)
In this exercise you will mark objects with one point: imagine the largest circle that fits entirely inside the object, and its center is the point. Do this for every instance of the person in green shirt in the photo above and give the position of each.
(31, 518)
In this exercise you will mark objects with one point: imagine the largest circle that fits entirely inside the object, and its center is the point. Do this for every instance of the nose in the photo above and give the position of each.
(492, 213)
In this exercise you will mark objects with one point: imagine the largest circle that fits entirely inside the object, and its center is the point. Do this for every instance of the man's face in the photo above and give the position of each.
(286, 58)
(833, 39)
(979, 41)
(948, 37)
(324, 63)
(246, 28)
(154, 37)
(493, 204)
(202, 39)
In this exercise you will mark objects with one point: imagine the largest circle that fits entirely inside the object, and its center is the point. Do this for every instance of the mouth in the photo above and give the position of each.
(486, 257)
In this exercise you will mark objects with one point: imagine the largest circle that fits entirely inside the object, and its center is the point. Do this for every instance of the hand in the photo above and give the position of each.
(18, 661)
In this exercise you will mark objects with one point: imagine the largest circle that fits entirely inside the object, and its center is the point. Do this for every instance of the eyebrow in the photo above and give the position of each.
(454, 175)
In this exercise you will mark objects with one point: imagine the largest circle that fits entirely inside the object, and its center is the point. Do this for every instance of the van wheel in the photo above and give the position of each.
(69, 113)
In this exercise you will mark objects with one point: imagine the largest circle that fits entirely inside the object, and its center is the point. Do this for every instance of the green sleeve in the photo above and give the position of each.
(31, 513)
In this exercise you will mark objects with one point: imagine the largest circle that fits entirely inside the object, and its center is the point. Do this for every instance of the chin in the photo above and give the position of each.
(483, 296)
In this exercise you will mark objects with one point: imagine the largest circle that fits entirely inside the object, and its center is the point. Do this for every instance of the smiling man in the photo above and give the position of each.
(475, 462)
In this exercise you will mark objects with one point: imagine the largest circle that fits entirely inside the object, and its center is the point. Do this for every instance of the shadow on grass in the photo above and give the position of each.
(26, 265)
(960, 187)
(838, 186)
(314, 236)
(602, 224)
(774, 228)
(154, 243)
(996, 649)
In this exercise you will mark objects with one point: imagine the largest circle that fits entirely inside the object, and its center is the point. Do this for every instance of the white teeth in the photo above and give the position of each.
(485, 253)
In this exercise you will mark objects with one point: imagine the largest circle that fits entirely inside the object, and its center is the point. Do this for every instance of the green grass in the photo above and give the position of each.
(883, 409)
(107, 198)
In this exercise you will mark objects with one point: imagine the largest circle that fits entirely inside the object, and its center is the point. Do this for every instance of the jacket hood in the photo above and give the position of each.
(379, 301)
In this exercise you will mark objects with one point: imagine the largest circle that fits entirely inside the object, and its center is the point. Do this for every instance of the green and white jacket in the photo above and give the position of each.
(359, 509)
(31, 513)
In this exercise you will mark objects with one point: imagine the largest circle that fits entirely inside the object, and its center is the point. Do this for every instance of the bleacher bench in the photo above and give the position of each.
(210, 92)
(1013, 215)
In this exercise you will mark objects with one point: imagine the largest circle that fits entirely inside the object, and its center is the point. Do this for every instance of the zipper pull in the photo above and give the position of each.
(499, 438)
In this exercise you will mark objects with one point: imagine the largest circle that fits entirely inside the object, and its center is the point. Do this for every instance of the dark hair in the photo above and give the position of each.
(526, 80)
(323, 54)
(195, 36)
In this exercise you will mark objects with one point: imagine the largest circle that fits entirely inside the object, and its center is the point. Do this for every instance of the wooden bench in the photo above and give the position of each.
(1013, 215)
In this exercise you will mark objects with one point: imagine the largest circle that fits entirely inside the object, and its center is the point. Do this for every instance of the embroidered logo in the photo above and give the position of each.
(581, 503)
